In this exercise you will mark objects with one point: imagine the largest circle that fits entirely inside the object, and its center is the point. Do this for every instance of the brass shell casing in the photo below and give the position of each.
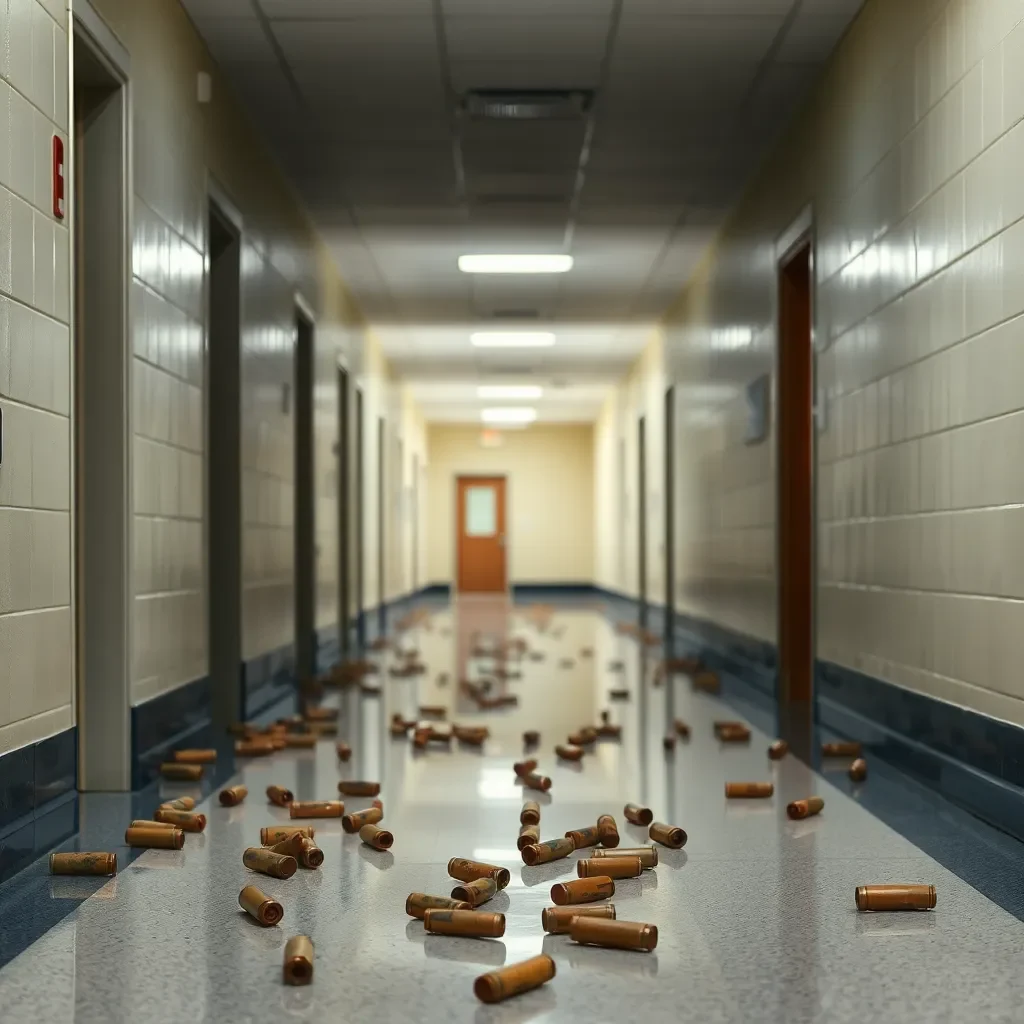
(607, 831)
(682, 729)
(155, 838)
(316, 809)
(516, 978)
(569, 753)
(541, 853)
(298, 960)
(530, 814)
(535, 781)
(418, 903)
(353, 822)
(195, 756)
(254, 748)
(267, 862)
(799, 809)
(311, 856)
(302, 740)
(257, 904)
(139, 823)
(464, 922)
(748, 790)
(273, 834)
(290, 847)
(529, 835)
(671, 836)
(582, 890)
(556, 920)
(614, 934)
(182, 772)
(582, 837)
(280, 796)
(611, 867)
(232, 796)
(648, 855)
(476, 892)
(531, 737)
(848, 748)
(637, 815)
(378, 838)
(471, 870)
(83, 863)
(344, 751)
(668, 742)
(778, 750)
(858, 770)
(895, 897)
(181, 803)
(187, 821)
(354, 787)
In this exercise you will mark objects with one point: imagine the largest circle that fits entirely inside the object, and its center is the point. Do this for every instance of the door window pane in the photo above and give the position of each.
(481, 512)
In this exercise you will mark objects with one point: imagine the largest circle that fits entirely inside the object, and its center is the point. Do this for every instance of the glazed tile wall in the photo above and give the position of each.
(910, 154)
(36, 674)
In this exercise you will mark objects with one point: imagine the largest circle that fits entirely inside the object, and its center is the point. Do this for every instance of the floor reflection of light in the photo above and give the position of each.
(498, 784)
(488, 856)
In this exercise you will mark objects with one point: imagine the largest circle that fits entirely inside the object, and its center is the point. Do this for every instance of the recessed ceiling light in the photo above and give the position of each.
(509, 415)
(526, 392)
(512, 339)
(516, 264)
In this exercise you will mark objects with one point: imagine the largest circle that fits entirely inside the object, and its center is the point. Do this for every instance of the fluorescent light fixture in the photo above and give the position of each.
(512, 339)
(509, 415)
(516, 264)
(510, 392)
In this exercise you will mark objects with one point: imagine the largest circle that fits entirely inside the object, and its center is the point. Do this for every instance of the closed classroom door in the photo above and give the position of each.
(481, 534)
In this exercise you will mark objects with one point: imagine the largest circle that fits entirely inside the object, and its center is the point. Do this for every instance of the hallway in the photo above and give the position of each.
(756, 915)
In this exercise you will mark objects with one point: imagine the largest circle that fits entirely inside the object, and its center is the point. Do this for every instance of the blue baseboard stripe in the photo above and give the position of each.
(178, 718)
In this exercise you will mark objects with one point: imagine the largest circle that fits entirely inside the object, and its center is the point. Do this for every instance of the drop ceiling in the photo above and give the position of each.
(361, 102)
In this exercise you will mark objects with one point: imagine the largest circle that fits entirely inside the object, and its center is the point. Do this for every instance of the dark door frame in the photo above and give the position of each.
(360, 510)
(641, 511)
(382, 465)
(670, 518)
(304, 519)
(344, 471)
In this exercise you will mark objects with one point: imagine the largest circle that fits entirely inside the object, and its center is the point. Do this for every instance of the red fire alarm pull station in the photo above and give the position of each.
(58, 177)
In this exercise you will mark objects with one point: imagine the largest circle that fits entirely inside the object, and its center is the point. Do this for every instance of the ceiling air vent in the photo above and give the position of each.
(527, 104)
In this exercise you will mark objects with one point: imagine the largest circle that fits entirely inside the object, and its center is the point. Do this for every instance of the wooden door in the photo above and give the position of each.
(480, 515)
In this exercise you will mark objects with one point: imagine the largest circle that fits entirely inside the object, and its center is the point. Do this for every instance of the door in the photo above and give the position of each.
(382, 491)
(344, 513)
(480, 503)
(304, 518)
(641, 497)
(670, 518)
(359, 508)
(796, 462)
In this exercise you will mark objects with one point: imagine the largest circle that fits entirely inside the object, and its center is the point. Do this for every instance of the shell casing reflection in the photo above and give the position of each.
(433, 711)
(183, 772)
(195, 756)
(541, 853)
(748, 790)
(535, 781)
(778, 750)
(267, 862)
(232, 796)
(556, 920)
(378, 838)
(799, 809)
(298, 960)
(637, 815)
(258, 905)
(682, 729)
(181, 803)
(618, 694)
(470, 870)
(529, 835)
(531, 737)
(316, 809)
(845, 748)
(291, 846)
(530, 814)
(464, 922)
(609, 731)
(648, 855)
(254, 748)
(280, 796)
(83, 863)
(569, 753)
(155, 838)
(301, 740)
(669, 742)
(582, 837)
(583, 890)
(612, 867)
(514, 979)
(187, 821)
(356, 787)
(311, 856)
(353, 822)
(614, 934)
(417, 903)
(273, 834)
(476, 892)
(895, 897)
(671, 836)
(344, 751)
(859, 770)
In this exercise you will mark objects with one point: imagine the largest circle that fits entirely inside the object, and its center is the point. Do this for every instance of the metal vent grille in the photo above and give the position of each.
(527, 105)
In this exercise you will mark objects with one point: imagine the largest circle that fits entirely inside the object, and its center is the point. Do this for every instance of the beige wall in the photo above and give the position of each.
(549, 511)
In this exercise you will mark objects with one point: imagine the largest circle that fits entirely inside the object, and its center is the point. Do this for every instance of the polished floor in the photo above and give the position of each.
(756, 915)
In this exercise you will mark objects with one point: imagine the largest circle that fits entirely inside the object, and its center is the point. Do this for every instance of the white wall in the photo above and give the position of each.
(549, 498)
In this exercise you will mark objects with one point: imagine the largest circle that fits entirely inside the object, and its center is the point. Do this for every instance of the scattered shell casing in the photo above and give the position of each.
(316, 809)
(470, 870)
(280, 796)
(378, 838)
(535, 781)
(607, 831)
(354, 821)
(618, 694)
(181, 803)
(303, 740)
(155, 838)
(805, 808)
(290, 847)
(272, 834)
(259, 905)
(233, 796)
(311, 856)
(417, 903)
(354, 787)
(541, 853)
(597, 931)
(671, 836)
(582, 890)
(608, 730)
(895, 897)
(83, 863)
(637, 815)
(778, 750)
(529, 835)
(183, 772)
(846, 748)
(514, 979)
(648, 855)
(569, 753)
(433, 711)
(610, 867)
(682, 729)
(194, 756)
(298, 960)
(319, 713)
(669, 742)
(859, 770)
(187, 821)
(522, 768)
(556, 920)
(476, 892)
(530, 814)
(734, 734)
(254, 748)
(531, 737)
(139, 823)
(582, 837)
(464, 922)
(748, 790)
(277, 865)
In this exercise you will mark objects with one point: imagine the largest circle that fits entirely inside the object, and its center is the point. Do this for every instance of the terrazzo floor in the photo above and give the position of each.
(756, 915)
